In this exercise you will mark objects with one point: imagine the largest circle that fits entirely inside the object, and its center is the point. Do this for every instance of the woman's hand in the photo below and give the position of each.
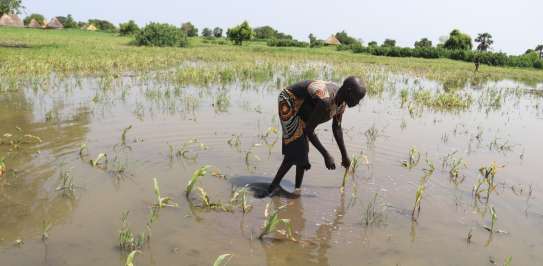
(346, 162)
(329, 162)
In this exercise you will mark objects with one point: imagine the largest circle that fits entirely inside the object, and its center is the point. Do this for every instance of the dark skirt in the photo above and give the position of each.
(295, 145)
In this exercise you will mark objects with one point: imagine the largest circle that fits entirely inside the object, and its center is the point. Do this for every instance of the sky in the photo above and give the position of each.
(515, 25)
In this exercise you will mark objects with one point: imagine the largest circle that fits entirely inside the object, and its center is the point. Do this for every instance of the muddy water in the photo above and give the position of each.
(330, 226)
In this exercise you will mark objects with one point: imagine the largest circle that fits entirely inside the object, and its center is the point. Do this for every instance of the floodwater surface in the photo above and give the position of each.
(55, 132)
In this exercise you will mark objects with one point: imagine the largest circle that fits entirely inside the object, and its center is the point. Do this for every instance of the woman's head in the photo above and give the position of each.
(354, 90)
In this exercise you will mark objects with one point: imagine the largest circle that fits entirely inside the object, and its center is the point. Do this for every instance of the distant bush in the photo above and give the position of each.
(68, 22)
(314, 42)
(128, 28)
(38, 17)
(345, 39)
(487, 58)
(189, 29)
(423, 43)
(207, 32)
(458, 41)
(158, 34)
(217, 32)
(240, 33)
(102, 25)
(286, 43)
(389, 43)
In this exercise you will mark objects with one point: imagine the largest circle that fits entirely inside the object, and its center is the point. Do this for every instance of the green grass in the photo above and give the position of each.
(31, 55)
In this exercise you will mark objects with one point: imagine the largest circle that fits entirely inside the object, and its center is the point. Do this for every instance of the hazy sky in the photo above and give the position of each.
(515, 25)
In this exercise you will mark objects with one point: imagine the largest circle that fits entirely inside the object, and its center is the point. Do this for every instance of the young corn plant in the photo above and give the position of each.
(208, 204)
(127, 240)
(251, 156)
(488, 174)
(83, 150)
(198, 173)
(162, 202)
(372, 134)
(66, 186)
(3, 167)
(272, 221)
(100, 159)
(374, 215)
(428, 169)
(454, 172)
(235, 142)
(46, 226)
(131, 257)
(222, 260)
(418, 199)
(414, 158)
(240, 198)
(187, 150)
(351, 171)
(123, 136)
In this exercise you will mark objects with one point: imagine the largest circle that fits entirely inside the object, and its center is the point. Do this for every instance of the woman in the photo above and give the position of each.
(302, 107)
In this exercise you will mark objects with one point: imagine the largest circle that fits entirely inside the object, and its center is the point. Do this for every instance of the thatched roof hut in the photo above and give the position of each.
(34, 24)
(91, 27)
(332, 40)
(54, 24)
(11, 21)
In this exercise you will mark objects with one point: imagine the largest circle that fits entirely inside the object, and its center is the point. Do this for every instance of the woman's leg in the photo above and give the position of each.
(281, 172)
(299, 175)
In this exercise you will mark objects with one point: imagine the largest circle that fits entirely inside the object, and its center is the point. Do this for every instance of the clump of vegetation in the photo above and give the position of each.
(235, 142)
(443, 101)
(198, 173)
(66, 184)
(414, 158)
(3, 167)
(222, 260)
(208, 204)
(240, 33)
(350, 171)
(187, 150)
(162, 202)
(131, 257)
(372, 134)
(158, 34)
(272, 222)
(127, 240)
(375, 212)
(488, 173)
(46, 226)
(240, 198)
(418, 199)
(15, 141)
(100, 159)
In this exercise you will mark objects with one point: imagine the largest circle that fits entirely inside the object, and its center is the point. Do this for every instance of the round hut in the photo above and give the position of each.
(11, 21)
(54, 23)
(34, 24)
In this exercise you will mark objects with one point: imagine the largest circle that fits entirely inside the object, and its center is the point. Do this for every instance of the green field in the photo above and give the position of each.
(29, 54)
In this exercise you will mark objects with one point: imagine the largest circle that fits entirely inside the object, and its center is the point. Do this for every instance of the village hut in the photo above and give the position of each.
(11, 21)
(54, 23)
(91, 27)
(332, 40)
(34, 24)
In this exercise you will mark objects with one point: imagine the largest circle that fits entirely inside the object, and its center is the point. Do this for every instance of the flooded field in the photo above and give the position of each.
(81, 152)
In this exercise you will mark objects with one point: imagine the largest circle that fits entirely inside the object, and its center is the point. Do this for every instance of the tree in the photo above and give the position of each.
(458, 41)
(129, 28)
(389, 43)
(38, 17)
(484, 40)
(68, 22)
(423, 43)
(314, 42)
(345, 39)
(103, 25)
(217, 32)
(240, 33)
(265, 32)
(11, 7)
(539, 48)
(207, 32)
(372, 44)
(158, 34)
(189, 29)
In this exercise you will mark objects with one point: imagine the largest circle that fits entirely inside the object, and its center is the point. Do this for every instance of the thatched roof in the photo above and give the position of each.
(11, 21)
(332, 40)
(34, 24)
(54, 24)
(91, 27)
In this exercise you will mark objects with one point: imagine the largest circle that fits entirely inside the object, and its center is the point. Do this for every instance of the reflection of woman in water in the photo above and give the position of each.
(302, 107)
(308, 251)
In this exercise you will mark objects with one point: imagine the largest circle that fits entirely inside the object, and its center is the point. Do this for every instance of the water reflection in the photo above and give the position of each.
(27, 195)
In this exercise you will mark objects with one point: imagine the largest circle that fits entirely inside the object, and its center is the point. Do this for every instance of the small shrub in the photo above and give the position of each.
(128, 28)
(159, 34)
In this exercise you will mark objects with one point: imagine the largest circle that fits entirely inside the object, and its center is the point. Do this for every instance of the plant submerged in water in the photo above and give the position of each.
(200, 172)
(127, 240)
(3, 167)
(101, 157)
(418, 199)
(131, 257)
(240, 198)
(351, 171)
(222, 260)
(273, 221)
(414, 158)
(488, 174)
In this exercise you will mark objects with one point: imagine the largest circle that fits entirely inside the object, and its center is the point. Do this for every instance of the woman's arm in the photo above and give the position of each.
(338, 136)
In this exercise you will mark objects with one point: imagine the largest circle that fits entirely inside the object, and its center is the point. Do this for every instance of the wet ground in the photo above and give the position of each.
(369, 224)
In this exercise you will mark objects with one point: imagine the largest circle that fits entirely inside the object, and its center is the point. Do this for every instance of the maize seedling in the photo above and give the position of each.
(222, 260)
(162, 202)
(131, 257)
(240, 198)
(273, 221)
(127, 240)
(101, 157)
(414, 158)
(418, 199)
(200, 172)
